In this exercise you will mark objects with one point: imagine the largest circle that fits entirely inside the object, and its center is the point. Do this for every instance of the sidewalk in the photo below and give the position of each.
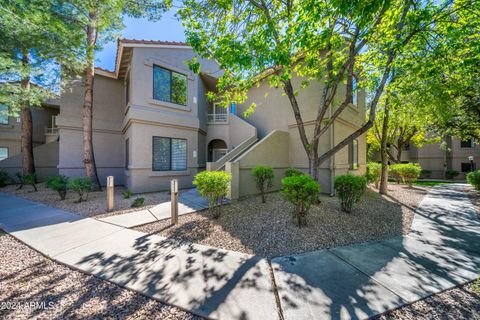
(359, 281)
(351, 282)
(189, 201)
(207, 281)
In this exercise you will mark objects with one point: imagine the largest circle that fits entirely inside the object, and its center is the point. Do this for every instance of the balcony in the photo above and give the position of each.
(217, 118)
(217, 114)
(51, 134)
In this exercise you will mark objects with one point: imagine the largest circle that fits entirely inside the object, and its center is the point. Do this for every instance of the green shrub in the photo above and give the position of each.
(409, 172)
(58, 183)
(82, 186)
(5, 178)
(138, 202)
(350, 189)
(451, 174)
(374, 172)
(263, 179)
(394, 172)
(213, 185)
(302, 191)
(31, 179)
(474, 179)
(290, 172)
(127, 194)
(19, 180)
(425, 173)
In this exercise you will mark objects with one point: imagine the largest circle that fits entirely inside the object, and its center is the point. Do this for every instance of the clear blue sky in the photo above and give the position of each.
(168, 29)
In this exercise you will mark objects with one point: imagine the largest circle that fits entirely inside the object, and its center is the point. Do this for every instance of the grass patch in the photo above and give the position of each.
(430, 183)
(1, 233)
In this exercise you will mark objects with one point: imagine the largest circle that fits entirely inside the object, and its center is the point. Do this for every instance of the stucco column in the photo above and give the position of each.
(234, 169)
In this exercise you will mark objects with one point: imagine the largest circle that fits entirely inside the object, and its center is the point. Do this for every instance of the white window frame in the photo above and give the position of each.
(218, 117)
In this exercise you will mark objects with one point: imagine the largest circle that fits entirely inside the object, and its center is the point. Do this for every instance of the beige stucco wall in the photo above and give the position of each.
(273, 151)
(11, 133)
(108, 143)
(140, 177)
(273, 112)
(146, 118)
(46, 160)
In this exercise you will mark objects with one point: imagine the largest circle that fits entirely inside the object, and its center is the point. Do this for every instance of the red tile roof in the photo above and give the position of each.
(157, 42)
(142, 41)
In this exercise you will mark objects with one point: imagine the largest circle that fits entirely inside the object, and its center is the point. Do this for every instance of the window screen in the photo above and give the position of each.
(3, 153)
(3, 114)
(467, 167)
(169, 86)
(354, 91)
(466, 143)
(169, 154)
(354, 154)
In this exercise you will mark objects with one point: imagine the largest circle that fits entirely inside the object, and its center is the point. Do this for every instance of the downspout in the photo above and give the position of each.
(332, 158)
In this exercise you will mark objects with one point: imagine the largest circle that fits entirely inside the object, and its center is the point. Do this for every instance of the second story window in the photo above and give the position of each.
(354, 91)
(3, 114)
(353, 154)
(169, 86)
(467, 143)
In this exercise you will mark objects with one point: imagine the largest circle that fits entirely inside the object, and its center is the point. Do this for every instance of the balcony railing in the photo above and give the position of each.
(217, 118)
(51, 130)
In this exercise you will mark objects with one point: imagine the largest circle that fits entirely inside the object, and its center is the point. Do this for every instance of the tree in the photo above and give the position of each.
(407, 124)
(34, 41)
(441, 74)
(426, 97)
(327, 41)
(102, 21)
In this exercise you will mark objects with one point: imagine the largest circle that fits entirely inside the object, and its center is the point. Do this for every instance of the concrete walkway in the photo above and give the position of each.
(189, 201)
(351, 282)
(359, 281)
(207, 281)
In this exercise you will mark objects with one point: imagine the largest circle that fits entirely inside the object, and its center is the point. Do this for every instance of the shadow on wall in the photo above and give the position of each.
(46, 161)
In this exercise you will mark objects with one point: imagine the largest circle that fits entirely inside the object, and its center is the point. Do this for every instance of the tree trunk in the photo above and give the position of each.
(384, 153)
(399, 152)
(313, 167)
(28, 163)
(88, 154)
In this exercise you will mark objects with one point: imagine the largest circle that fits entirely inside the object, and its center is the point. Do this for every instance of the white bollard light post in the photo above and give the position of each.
(174, 200)
(110, 193)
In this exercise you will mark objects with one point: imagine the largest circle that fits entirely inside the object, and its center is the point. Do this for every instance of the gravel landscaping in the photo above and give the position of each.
(35, 287)
(475, 198)
(96, 204)
(268, 230)
(459, 303)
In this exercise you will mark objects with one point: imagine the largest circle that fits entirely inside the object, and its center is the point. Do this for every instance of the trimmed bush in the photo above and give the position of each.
(409, 172)
(425, 173)
(374, 172)
(302, 191)
(127, 194)
(31, 179)
(451, 174)
(263, 179)
(474, 179)
(58, 183)
(394, 172)
(5, 178)
(405, 172)
(138, 202)
(213, 185)
(82, 186)
(350, 190)
(290, 172)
